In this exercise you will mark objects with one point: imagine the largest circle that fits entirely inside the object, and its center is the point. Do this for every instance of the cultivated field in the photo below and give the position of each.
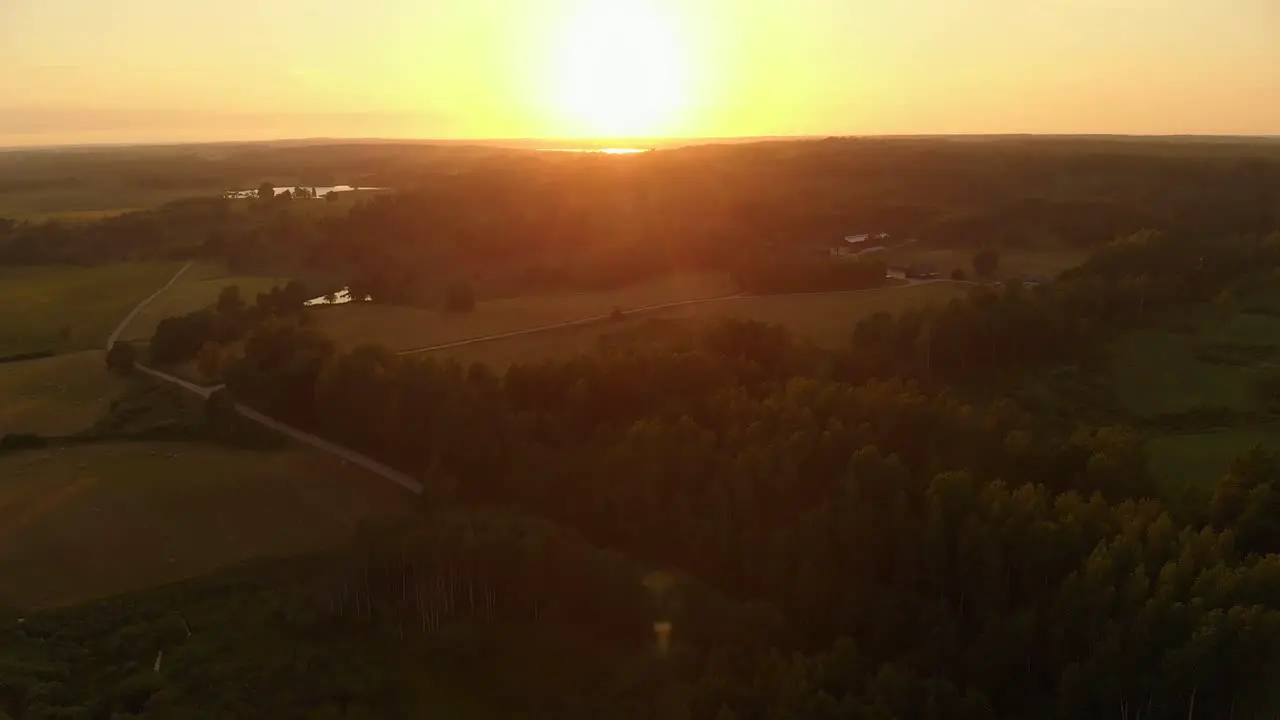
(87, 521)
(827, 319)
(197, 288)
(63, 309)
(60, 395)
(404, 328)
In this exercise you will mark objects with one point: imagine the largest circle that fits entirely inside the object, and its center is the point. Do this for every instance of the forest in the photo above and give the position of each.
(735, 525)
(878, 506)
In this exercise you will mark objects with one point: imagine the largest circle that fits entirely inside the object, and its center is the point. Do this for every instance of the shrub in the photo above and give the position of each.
(121, 358)
(212, 360)
(21, 441)
(985, 262)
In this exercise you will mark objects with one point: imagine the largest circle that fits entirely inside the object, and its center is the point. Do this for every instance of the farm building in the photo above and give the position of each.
(854, 245)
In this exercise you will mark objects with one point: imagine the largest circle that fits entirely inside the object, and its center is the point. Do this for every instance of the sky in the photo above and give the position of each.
(88, 71)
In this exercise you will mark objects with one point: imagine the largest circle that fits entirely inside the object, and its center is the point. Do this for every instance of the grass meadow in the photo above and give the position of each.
(1183, 459)
(1207, 363)
(63, 309)
(60, 395)
(406, 328)
(826, 319)
(85, 521)
(1208, 358)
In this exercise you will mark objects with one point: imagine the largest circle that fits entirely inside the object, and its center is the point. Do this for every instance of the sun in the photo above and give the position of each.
(621, 71)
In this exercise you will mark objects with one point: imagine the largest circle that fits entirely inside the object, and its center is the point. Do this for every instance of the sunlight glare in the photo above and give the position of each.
(621, 71)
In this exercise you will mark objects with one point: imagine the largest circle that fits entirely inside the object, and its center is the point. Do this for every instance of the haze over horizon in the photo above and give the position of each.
(79, 71)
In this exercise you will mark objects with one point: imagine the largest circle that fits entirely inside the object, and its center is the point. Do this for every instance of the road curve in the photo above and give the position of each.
(373, 466)
(115, 334)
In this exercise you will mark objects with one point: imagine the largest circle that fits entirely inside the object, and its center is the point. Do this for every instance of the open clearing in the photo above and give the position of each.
(37, 304)
(86, 521)
(60, 395)
(1203, 365)
(198, 288)
(1190, 365)
(826, 319)
(1179, 460)
(406, 328)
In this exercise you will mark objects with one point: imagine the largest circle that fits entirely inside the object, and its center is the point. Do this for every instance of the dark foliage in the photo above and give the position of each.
(183, 338)
(121, 358)
(12, 442)
(985, 262)
(918, 554)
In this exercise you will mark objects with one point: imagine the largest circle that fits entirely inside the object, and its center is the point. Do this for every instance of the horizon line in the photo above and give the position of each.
(628, 142)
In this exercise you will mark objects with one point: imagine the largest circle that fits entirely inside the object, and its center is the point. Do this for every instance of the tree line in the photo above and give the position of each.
(202, 334)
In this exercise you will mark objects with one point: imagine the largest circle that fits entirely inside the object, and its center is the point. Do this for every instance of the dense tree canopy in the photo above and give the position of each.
(914, 553)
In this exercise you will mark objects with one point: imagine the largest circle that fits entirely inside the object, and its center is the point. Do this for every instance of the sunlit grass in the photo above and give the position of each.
(826, 319)
(62, 308)
(55, 396)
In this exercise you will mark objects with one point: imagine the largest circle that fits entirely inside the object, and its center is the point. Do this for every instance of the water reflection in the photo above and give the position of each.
(342, 297)
(317, 191)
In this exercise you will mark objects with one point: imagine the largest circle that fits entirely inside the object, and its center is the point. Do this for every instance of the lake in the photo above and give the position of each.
(319, 190)
(342, 297)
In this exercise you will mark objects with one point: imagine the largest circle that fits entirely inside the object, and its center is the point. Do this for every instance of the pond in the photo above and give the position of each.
(342, 297)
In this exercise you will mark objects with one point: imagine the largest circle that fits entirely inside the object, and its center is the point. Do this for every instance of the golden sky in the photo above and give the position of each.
(176, 70)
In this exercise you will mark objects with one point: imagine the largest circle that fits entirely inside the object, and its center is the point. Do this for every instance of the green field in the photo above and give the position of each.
(71, 308)
(827, 319)
(86, 521)
(1189, 363)
(1193, 378)
(197, 288)
(1180, 460)
(404, 328)
(60, 395)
